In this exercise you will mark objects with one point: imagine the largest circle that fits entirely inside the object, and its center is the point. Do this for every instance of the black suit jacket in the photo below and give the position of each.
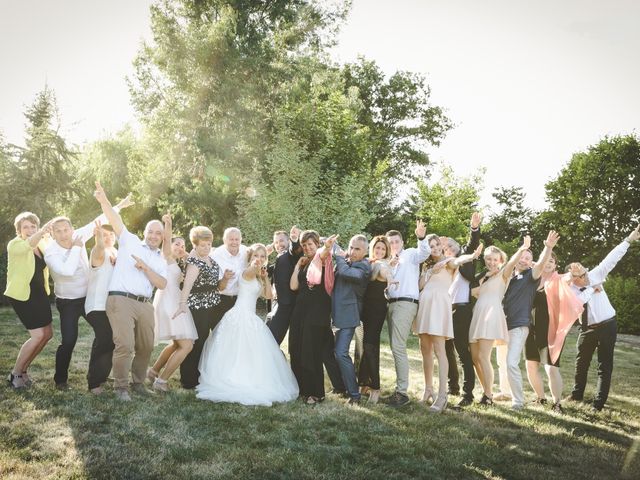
(280, 272)
(468, 270)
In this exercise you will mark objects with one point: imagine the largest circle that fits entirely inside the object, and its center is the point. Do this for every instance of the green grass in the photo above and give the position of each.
(49, 434)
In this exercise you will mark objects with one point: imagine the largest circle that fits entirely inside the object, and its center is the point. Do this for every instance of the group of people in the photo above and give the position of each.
(203, 304)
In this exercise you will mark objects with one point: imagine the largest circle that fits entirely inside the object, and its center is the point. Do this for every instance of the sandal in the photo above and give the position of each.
(16, 381)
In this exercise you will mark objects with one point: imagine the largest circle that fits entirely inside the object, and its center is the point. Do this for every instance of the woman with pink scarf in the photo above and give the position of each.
(555, 308)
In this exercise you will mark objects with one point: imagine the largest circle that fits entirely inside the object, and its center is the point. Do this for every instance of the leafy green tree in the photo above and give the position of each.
(594, 202)
(446, 205)
(511, 220)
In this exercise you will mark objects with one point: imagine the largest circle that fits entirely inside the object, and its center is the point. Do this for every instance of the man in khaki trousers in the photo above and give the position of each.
(139, 268)
(403, 303)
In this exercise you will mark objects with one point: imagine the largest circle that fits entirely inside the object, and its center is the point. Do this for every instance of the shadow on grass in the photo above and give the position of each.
(73, 434)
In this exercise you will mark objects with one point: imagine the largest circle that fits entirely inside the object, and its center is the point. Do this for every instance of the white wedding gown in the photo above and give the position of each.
(241, 361)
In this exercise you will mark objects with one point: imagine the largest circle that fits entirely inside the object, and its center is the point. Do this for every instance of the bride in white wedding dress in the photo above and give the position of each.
(241, 361)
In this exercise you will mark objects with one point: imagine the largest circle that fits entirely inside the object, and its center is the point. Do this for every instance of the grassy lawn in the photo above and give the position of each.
(49, 434)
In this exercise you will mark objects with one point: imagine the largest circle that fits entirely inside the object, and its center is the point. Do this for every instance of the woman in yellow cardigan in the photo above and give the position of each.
(28, 292)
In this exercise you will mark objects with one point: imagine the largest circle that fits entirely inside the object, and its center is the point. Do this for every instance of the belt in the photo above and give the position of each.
(596, 325)
(138, 298)
(403, 299)
(457, 305)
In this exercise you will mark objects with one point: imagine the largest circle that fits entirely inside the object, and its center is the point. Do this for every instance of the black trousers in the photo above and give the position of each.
(70, 312)
(101, 349)
(462, 314)
(602, 339)
(279, 323)
(205, 320)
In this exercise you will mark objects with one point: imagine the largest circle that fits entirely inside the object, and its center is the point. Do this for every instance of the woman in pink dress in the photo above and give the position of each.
(434, 321)
(489, 324)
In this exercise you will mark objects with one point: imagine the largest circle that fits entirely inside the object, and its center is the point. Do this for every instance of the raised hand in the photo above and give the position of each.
(263, 272)
(421, 229)
(125, 202)
(476, 220)
(97, 234)
(166, 219)
(478, 251)
(526, 243)
(330, 242)
(100, 194)
(635, 235)
(294, 234)
(552, 239)
(302, 262)
(270, 249)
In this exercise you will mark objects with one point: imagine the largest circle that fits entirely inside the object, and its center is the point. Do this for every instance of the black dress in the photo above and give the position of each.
(537, 345)
(309, 335)
(373, 314)
(35, 312)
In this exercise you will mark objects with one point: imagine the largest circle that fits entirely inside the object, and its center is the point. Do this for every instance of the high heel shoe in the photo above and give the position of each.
(427, 395)
(485, 400)
(439, 405)
(374, 396)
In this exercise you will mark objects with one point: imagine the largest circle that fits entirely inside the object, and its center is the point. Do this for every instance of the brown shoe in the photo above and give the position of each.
(97, 390)
(122, 394)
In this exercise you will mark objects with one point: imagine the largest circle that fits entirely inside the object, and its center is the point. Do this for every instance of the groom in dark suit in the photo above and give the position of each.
(352, 274)
(288, 251)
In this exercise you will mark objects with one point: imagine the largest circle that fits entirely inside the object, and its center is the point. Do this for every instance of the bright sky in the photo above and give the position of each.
(526, 83)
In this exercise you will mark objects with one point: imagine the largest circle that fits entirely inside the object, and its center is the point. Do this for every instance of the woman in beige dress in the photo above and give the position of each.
(489, 324)
(434, 321)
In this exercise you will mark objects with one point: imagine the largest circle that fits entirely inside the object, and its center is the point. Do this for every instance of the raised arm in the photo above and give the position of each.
(34, 239)
(474, 234)
(87, 231)
(599, 273)
(328, 247)
(462, 259)
(166, 239)
(424, 250)
(97, 252)
(113, 217)
(549, 243)
(507, 271)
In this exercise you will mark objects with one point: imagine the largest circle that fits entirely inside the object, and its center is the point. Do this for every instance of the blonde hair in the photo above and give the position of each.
(492, 249)
(199, 234)
(25, 216)
(254, 248)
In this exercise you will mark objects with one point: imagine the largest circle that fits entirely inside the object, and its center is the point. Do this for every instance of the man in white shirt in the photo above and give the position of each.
(403, 303)
(598, 324)
(68, 263)
(139, 269)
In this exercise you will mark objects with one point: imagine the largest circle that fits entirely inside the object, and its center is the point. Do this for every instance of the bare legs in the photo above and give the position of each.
(426, 348)
(31, 348)
(428, 345)
(555, 380)
(170, 358)
(481, 354)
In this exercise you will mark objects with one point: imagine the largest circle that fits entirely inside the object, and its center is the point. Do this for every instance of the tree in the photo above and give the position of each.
(446, 205)
(511, 221)
(594, 202)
